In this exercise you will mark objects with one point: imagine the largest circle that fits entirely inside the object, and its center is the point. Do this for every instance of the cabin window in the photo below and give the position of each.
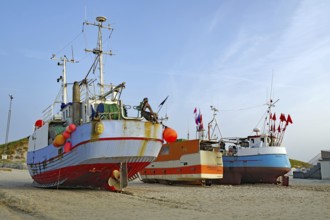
(165, 150)
(245, 144)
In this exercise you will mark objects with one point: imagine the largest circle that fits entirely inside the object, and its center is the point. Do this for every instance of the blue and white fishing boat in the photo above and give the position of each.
(258, 158)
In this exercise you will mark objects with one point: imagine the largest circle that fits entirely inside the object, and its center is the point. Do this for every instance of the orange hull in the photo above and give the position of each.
(191, 161)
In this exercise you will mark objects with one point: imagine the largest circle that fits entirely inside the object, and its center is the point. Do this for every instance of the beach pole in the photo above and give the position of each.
(4, 155)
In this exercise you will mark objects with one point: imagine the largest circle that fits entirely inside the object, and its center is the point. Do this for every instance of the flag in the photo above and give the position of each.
(279, 129)
(282, 117)
(198, 120)
(289, 120)
(274, 117)
(196, 116)
(162, 103)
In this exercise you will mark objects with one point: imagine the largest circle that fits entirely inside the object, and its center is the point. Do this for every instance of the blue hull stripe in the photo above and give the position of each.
(269, 160)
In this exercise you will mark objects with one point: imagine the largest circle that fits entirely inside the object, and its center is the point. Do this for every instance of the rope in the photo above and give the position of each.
(68, 43)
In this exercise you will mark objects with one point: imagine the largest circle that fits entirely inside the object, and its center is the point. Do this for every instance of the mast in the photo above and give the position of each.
(209, 135)
(4, 156)
(99, 50)
(62, 62)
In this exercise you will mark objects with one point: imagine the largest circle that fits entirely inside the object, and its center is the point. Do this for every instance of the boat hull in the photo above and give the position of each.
(254, 168)
(184, 162)
(92, 158)
(83, 176)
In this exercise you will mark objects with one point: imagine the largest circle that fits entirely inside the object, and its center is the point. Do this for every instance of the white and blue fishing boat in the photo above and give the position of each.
(91, 142)
(258, 158)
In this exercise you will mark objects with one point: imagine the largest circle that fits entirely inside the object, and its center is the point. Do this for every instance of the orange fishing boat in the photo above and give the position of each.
(197, 161)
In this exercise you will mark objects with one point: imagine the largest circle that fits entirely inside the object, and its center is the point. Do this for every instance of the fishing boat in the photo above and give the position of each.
(91, 142)
(260, 157)
(196, 161)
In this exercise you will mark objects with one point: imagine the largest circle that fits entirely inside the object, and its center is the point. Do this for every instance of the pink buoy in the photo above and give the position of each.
(67, 147)
(66, 134)
(72, 127)
(67, 129)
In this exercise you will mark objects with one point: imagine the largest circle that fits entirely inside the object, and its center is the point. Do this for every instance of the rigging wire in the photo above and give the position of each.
(68, 43)
(264, 116)
(241, 109)
(94, 63)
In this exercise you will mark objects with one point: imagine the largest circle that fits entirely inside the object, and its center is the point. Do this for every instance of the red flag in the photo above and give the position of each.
(270, 116)
(289, 120)
(282, 117)
(201, 126)
(279, 129)
(274, 117)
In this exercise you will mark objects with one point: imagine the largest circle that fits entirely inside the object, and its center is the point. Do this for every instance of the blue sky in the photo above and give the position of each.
(200, 53)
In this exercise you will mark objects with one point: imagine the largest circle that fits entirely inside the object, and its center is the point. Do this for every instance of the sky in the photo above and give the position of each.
(231, 54)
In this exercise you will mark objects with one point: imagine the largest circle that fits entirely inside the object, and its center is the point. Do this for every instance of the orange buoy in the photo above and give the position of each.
(169, 135)
(59, 140)
(67, 147)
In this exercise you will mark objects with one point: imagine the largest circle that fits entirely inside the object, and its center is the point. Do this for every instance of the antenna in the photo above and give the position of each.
(271, 85)
(99, 50)
(85, 13)
(62, 62)
(72, 59)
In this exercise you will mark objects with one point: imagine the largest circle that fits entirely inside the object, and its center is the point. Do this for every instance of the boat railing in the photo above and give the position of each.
(47, 114)
(110, 115)
(124, 115)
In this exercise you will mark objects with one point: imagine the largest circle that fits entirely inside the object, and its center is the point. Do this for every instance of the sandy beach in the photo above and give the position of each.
(303, 199)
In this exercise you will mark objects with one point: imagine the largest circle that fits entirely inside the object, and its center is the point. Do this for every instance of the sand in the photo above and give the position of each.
(302, 199)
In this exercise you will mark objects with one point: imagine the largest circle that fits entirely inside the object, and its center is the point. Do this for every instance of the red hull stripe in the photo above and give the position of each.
(196, 169)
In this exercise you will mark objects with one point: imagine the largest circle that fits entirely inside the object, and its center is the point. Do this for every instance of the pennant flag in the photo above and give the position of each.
(279, 129)
(273, 128)
(271, 116)
(289, 120)
(274, 117)
(196, 116)
(162, 103)
(282, 117)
